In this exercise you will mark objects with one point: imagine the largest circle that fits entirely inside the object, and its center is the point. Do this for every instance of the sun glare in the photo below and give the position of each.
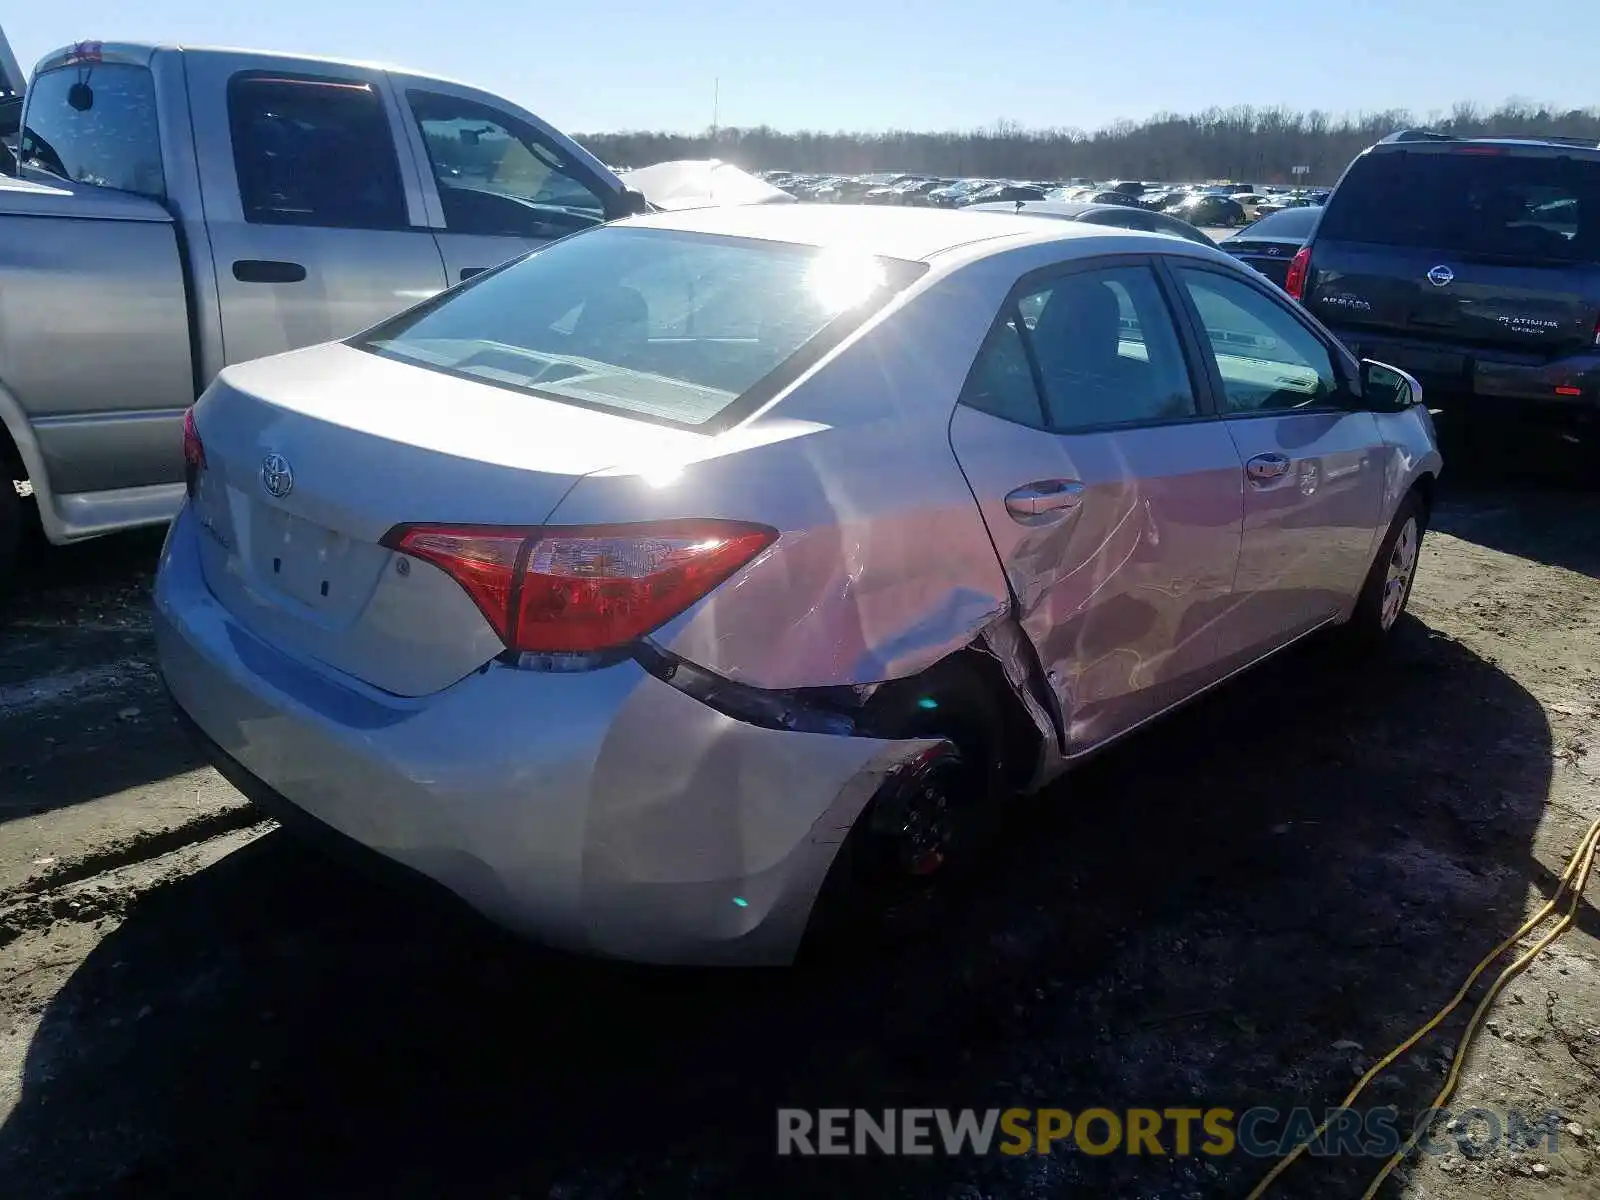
(839, 279)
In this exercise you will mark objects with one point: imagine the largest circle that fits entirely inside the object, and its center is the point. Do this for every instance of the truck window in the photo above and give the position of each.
(103, 133)
(314, 152)
(496, 175)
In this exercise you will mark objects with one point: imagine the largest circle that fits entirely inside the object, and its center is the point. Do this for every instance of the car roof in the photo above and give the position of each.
(915, 234)
(1067, 210)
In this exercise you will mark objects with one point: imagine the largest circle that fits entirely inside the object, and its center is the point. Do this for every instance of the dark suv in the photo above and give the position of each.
(1474, 264)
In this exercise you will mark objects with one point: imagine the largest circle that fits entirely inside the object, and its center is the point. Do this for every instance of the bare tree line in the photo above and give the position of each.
(1242, 143)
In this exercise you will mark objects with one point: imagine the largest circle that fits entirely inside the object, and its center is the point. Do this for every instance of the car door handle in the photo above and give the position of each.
(266, 270)
(1264, 468)
(1044, 498)
(467, 273)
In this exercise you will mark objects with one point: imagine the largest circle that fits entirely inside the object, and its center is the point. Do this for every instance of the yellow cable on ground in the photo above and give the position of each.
(1587, 853)
(1573, 881)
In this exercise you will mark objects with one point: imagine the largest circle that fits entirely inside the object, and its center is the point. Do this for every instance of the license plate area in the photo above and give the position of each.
(321, 568)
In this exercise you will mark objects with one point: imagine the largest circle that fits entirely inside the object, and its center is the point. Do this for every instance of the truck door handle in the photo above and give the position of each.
(468, 272)
(266, 270)
(1264, 468)
(1043, 498)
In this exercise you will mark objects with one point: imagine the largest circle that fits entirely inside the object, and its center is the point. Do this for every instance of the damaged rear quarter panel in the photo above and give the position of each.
(883, 565)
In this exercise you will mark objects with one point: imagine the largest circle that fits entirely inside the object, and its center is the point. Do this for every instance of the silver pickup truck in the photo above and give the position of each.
(176, 210)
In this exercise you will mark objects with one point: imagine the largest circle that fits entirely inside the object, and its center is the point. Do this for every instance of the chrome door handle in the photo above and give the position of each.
(1043, 498)
(1264, 468)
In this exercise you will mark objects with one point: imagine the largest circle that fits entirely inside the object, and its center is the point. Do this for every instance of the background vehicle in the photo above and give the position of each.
(12, 82)
(1117, 215)
(1008, 192)
(188, 208)
(1270, 244)
(560, 624)
(1475, 265)
(1212, 210)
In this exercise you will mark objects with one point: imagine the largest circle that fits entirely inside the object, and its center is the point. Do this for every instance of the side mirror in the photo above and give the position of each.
(633, 203)
(1387, 389)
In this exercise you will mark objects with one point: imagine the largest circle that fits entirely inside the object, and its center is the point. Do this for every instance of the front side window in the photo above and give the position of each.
(1107, 351)
(1267, 360)
(96, 124)
(314, 152)
(653, 323)
(498, 176)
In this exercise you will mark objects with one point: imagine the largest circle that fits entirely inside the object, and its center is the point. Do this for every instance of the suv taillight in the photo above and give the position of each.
(194, 453)
(583, 588)
(1299, 267)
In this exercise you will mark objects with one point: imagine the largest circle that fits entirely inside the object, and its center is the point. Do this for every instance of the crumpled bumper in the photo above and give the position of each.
(605, 811)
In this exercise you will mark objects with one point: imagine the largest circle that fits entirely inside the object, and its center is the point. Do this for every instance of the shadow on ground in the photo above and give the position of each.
(82, 710)
(1211, 915)
(1523, 492)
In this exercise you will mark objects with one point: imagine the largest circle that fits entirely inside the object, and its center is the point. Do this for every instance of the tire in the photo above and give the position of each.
(1388, 585)
(922, 836)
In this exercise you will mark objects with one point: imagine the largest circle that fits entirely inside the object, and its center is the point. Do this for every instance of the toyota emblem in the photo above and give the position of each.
(277, 476)
(1441, 276)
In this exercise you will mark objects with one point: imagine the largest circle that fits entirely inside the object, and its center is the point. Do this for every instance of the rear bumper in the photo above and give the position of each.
(1517, 385)
(605, 812)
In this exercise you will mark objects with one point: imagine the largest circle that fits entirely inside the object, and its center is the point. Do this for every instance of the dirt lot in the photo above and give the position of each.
(1244, 907)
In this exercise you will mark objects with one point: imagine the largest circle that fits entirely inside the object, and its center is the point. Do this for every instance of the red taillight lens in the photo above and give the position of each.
(582, 588)
(1299, 267)
(194, 452)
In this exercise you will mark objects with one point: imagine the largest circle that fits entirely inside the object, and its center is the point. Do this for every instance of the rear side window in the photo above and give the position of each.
(659, 324)
(314, 152)
(1484, 203)
(102, 133)
(1001, 383)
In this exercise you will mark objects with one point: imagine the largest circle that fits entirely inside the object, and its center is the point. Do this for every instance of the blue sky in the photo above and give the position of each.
(875, 64)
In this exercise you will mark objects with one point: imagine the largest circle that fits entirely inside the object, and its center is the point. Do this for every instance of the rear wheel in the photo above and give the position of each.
(1388, 586)
(926, 827)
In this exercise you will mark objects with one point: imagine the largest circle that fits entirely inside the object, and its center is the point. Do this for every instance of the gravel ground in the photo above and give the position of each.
(1245, 906)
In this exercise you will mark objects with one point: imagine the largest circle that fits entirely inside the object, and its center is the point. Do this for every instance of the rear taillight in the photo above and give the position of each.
(583, 588)
(1299, 267)
(194, 453)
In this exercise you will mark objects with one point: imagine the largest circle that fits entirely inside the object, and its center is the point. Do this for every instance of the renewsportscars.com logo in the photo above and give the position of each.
(1260, 1132)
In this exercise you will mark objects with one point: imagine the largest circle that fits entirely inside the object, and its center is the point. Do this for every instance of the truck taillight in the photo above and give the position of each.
(194, 453)
(583, 588)
(1299, 268)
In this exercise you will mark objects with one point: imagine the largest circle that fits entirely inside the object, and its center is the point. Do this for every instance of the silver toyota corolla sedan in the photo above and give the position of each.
(638, 589)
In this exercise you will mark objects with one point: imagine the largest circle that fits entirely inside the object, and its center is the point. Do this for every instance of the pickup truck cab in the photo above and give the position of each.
(179, 209)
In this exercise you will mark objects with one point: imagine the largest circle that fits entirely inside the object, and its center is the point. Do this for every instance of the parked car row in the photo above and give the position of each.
(1199, 204)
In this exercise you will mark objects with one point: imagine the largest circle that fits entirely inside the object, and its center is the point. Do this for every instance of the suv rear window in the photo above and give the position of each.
(1517, 205)
(654, 323)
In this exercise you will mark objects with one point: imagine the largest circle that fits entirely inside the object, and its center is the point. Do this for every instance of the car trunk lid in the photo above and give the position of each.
(312, 457)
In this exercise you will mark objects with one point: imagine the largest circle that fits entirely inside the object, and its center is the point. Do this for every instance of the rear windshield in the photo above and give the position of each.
(1290, 223)
(659, 324)
(1481, 203)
